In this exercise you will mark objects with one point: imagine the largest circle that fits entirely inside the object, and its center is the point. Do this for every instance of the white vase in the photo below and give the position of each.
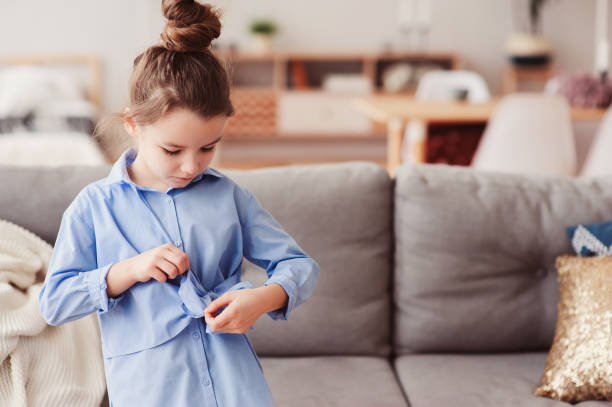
(261, 43)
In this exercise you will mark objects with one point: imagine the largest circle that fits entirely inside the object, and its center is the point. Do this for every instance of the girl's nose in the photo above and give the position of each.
(189, 167)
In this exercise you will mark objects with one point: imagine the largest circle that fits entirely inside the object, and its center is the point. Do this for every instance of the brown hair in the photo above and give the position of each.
(181, 71)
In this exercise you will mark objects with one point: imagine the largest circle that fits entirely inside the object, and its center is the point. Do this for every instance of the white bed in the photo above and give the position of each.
(48, 110)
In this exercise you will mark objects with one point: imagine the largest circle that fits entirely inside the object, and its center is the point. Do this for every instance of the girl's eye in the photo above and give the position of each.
(171, 152)
(205, 149)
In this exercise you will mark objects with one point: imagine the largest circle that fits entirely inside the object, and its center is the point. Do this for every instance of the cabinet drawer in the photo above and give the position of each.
(318, 112)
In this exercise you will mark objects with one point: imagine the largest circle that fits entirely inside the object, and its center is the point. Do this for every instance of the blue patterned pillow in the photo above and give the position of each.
(591, 240)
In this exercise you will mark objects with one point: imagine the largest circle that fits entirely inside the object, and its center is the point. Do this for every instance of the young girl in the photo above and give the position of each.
(156, 247)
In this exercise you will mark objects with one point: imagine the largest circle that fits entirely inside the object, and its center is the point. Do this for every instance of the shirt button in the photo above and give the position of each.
(177, 243)
(206, 382)
(169, 199)
(196, 335)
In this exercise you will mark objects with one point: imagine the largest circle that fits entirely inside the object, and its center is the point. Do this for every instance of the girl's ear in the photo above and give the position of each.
(129, 124)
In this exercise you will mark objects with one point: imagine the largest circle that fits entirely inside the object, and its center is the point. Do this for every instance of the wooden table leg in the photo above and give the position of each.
(394, 143)
(416, 131)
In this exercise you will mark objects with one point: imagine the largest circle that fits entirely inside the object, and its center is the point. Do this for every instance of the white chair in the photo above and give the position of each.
(598, 160)
(442, 86)
(528, 133)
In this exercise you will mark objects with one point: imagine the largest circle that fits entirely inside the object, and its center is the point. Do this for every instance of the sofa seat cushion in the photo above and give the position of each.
(473, 380)
(318, 381)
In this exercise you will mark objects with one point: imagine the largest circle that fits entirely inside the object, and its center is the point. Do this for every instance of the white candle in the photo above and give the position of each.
(602, 56)
(405, 13)
(601, 37)
(424, 11)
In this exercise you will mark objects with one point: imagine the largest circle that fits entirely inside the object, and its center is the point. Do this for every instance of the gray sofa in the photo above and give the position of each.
(437, 288)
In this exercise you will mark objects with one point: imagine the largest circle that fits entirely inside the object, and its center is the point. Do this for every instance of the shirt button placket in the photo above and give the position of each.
(177, 242)
(205, 377)
(205, 380)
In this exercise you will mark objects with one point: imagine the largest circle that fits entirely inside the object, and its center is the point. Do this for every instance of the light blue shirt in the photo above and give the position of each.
(157, 347)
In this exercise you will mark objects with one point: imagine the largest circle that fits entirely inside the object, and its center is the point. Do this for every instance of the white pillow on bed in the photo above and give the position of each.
(49, 149)
(26, 88)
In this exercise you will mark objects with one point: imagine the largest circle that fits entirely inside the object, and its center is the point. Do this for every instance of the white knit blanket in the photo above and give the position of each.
(41, 365)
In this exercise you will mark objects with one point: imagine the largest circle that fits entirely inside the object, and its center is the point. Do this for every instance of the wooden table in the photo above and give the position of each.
(396, 110)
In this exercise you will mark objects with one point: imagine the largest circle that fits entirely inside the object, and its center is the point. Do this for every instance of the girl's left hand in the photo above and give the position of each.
(243, 309)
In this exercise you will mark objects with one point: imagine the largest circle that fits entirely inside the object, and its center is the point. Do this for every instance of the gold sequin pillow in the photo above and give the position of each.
(579, 363)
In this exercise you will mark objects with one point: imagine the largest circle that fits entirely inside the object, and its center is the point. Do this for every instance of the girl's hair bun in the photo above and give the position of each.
(191, 26)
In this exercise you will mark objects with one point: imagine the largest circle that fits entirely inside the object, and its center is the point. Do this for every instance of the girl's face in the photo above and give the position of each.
(174, 149)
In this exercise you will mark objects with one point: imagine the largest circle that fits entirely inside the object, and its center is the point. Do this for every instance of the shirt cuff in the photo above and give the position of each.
(289, 287)
(96, 283)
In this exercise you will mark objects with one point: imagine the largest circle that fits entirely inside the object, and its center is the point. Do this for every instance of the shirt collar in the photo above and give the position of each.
(119, 173)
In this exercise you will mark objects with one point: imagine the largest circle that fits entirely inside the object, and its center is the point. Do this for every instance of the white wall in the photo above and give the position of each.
(119, 29)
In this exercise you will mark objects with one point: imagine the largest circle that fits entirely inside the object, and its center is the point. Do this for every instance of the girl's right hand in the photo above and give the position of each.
(160, 263)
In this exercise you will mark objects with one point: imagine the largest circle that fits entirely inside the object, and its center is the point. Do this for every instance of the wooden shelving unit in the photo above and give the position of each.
(279, 97)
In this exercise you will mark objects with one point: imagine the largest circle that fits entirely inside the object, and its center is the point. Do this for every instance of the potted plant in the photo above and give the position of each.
(262, 31)
(528, 46)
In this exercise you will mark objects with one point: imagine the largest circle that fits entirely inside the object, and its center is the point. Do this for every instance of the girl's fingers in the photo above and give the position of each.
(224, 299)
(231, 331)
(223, 319)
(167, 267)
(159, 275)
(219, 323)
(177, 257)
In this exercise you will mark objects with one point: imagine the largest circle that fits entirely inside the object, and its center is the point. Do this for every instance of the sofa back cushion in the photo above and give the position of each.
(475, 255)
(340, 214)
(36, 197)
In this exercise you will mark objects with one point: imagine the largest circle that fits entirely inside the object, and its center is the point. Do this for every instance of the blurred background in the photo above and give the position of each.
(327, 81)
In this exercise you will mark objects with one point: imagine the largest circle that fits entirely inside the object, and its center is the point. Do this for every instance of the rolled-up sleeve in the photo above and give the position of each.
(268, 246)
(74, 285)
